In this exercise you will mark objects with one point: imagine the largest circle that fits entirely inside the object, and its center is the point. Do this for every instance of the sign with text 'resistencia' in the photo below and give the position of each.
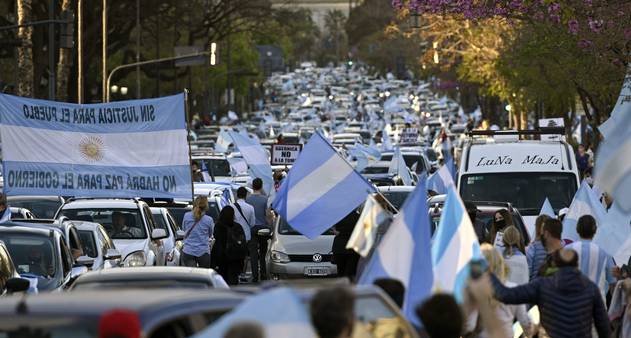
(285, 154)
(124, 149)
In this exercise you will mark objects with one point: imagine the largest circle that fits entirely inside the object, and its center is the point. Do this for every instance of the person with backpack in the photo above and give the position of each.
(245, 216)
(230, 247)
(198, 229)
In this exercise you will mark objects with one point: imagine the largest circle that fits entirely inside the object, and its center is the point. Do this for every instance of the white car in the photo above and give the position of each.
(99, 251)
(174, 242)
(137, 238)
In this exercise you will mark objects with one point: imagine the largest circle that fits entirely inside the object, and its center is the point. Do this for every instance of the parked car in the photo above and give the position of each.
(150, 277)
(175, 237)
(21, 213)
(40, 254)
(168, 313)
(40, 206)
(139, 241)
(292, 255)
(99, 251)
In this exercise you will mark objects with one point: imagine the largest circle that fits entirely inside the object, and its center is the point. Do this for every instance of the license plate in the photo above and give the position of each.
(316, 271)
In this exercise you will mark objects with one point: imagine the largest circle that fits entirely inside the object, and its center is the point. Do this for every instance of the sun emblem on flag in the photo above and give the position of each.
(91, 148)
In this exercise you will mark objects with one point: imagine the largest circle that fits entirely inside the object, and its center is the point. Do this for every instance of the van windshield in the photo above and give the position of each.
(525, 191)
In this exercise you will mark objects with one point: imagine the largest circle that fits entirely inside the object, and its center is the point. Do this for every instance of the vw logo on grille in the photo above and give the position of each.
(317, 258)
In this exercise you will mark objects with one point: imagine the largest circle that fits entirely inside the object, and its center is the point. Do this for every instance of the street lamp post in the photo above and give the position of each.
(142, 63)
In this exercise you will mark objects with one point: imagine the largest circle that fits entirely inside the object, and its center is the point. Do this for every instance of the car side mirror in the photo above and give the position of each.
(264, 232)
(14, 285)
(85, 261)
(112, 254)
(77, 271)
(158, 234)
(179, 235)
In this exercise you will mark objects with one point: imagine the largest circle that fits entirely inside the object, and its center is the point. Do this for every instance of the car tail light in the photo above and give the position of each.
(120, 323)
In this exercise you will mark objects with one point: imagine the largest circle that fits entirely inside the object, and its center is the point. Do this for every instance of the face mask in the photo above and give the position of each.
(500, 224)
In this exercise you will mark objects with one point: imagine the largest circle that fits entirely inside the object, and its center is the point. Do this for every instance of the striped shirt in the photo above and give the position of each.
(594, 263)
(536, 255)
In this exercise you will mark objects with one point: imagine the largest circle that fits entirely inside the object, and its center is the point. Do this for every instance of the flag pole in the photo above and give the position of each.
(188, 141)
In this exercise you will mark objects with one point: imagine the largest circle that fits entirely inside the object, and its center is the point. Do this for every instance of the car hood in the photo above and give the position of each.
(127, 246)
(300, 245)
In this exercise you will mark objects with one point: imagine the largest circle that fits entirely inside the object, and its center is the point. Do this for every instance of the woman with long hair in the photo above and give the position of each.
(229, 265)
(536, 252)
(514, 256)
(505, 315)
(198, 228)
(501, 219)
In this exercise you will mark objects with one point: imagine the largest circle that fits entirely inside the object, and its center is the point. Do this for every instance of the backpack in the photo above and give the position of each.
(236, 244)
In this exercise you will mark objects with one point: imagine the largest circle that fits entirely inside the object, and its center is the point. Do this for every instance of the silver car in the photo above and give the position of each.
(292, 255)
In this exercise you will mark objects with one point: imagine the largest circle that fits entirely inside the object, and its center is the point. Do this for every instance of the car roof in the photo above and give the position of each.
(396, 188)
(35, 229)
(89, 303)
(85, 225)
(147, 272)
(35, 198)
(100, 203)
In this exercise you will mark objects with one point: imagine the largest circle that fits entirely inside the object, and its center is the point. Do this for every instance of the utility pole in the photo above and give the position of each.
(138, 90)
(79, 52)
(104, 51)
(52, 83)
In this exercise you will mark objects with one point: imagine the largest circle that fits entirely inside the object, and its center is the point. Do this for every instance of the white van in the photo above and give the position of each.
(501, 167)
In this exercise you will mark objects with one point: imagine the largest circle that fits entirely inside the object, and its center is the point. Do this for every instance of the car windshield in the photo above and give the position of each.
(178, 214)
(431, 154)
(375, 170)
(396, 197)
(89, 245)
(217, 166)
(61, 326)
(39, 208)
(33, 255)
(119, 223)
(285, 229)
(525, 191)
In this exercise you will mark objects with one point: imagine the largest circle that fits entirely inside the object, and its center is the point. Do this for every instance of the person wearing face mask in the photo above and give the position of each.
(501, 219)
(551, 239)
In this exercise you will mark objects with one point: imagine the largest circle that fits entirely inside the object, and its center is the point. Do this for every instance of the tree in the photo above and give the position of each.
(65, 62)
(25, 51)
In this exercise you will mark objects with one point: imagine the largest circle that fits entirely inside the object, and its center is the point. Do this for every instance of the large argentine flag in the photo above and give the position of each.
(404, 253)
(255, 156)
(440, 181)
(585, 202)
(454, 246)
(320, 189)
(121, 149)
(613, 163)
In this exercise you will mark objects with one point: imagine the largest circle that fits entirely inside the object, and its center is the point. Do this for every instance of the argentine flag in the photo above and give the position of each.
(135, 148)
(546, 209)
(455, 244)
(585, 202)
(320, 189)
(404, 253)
(440, 181)
(255, 156)
(399, 168)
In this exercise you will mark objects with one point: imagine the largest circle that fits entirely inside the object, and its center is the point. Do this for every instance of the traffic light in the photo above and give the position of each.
(66, 30)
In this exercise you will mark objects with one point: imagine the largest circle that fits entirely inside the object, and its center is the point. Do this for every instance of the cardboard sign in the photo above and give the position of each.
(409, 135)
(285, 154)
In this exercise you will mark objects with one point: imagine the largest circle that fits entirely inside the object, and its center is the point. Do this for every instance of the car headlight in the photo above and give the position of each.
(135, 259)
(279, 257)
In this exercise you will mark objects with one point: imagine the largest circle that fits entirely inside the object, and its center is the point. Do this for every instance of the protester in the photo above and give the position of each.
(501, 219)
(262, 220)
(582, 160)
(393, 288)
(551, 239)
(593, 261)
(441, 317)
(245, 330)
(514, 256)
(504, 314)
(5, 211)
(535, 252)
(244, 216)
(569, 303)
(230, 248)
(198, 229)
(333, 313)
(196, 173)
(345, 259)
